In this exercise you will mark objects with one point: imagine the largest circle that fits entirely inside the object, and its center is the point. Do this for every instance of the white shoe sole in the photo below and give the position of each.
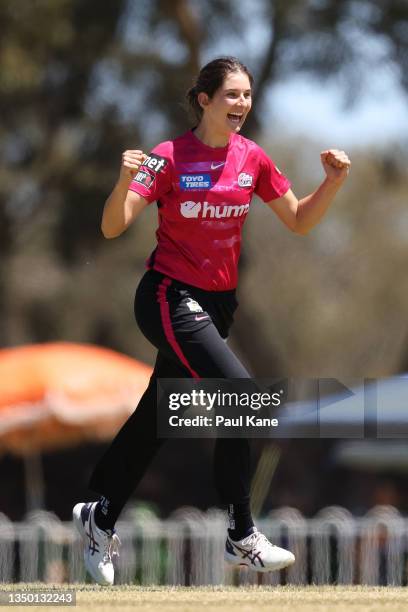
(233, 560)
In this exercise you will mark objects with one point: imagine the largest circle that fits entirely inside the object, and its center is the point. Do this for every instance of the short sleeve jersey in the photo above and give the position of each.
(203, 196)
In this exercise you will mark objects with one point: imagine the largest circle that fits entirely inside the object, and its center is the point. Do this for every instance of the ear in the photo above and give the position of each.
(203, 99)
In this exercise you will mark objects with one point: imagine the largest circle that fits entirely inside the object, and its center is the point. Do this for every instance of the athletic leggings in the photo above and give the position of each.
(188, 326)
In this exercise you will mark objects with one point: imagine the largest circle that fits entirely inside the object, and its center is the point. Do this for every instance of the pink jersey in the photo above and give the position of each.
(203, 196)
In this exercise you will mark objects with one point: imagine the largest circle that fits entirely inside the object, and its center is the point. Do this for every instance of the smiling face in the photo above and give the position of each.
(226, 111)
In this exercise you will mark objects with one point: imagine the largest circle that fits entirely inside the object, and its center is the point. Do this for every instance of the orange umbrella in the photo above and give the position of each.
(59, 394)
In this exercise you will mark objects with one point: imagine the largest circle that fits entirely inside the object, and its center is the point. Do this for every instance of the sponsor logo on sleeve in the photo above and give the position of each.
(245, 180)
(145, 177)
(154, 162)
(195, 181)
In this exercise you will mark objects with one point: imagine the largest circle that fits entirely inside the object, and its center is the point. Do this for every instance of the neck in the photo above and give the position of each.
(211, 137)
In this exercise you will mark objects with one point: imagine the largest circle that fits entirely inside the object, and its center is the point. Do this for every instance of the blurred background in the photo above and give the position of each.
(82, 81)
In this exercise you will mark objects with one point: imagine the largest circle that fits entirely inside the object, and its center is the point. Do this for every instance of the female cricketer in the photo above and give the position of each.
(203, 183)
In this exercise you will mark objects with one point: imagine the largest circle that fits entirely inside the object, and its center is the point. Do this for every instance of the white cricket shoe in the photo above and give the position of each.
(99, 545)
(257, 553)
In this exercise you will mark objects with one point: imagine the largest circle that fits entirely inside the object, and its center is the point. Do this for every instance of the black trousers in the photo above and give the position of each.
(188, 326)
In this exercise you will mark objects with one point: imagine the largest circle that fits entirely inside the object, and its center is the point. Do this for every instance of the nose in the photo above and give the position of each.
(243, 100)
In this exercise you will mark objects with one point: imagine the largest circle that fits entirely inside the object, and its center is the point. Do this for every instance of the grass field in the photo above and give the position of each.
(231, 599)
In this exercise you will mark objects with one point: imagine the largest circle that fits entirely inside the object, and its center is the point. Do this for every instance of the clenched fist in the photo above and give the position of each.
(131, 162)
(336, 164)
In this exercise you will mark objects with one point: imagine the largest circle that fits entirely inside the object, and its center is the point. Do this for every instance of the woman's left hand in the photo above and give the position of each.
(336, 164)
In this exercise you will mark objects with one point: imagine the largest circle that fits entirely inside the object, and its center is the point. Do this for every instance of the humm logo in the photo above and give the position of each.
(204, 210)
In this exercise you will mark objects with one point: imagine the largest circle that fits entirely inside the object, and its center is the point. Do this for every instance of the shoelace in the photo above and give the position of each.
(112, 544)
(257, 538)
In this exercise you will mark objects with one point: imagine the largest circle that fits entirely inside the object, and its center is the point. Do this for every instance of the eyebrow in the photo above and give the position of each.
(237, 89)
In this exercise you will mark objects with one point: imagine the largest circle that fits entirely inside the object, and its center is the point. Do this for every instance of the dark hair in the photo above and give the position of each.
(210, 78)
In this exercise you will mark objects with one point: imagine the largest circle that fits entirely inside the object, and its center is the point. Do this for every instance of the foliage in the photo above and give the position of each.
(79, 83)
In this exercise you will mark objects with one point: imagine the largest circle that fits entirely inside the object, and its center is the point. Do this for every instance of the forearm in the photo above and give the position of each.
(115, 216)
(312, 207)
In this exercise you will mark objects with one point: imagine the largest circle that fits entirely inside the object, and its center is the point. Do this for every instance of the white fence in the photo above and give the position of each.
(187, 549)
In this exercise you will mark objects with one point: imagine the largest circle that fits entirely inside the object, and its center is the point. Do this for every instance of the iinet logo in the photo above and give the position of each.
(204, 210)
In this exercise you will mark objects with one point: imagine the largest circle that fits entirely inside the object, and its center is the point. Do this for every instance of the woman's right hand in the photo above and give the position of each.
(131, 162)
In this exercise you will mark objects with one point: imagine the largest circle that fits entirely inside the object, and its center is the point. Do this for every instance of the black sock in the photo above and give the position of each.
(241, 524)
(107, 513)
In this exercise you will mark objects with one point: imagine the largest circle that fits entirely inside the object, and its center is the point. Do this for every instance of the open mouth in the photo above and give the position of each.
(235, 118)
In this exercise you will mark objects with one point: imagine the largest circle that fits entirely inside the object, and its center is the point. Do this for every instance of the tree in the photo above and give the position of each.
(79, 85)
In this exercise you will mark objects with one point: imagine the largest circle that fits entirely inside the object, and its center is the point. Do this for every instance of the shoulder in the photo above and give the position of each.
(160, 157)
(167, 148)
(164, 148)
(249, 145)
(175, 142)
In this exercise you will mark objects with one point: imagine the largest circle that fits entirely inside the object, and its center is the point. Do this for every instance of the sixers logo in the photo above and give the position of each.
(245, 180)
